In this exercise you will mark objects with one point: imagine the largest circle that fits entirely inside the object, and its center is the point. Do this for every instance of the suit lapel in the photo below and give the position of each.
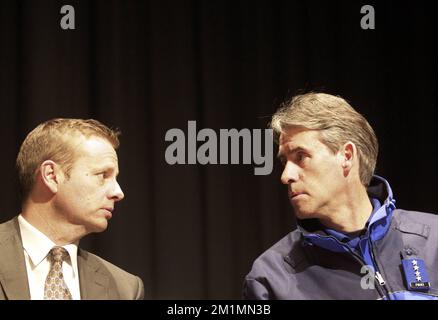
(96, 282)
(13, 274)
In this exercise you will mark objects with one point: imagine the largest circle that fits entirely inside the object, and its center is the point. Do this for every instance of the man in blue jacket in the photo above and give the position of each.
(350, 242)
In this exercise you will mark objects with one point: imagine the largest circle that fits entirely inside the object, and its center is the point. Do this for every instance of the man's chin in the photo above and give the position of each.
(303, 213)
(302, 216)
(98, 226)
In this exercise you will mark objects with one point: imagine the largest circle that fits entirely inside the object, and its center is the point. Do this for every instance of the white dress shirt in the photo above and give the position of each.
(36, 247)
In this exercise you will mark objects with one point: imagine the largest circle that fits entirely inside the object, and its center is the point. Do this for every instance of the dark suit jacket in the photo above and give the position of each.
(99, 279)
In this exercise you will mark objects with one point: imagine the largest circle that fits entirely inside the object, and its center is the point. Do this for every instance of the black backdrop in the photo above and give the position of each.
(192, 231)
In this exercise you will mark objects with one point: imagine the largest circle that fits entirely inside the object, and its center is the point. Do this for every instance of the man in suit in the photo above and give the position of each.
(67, 170)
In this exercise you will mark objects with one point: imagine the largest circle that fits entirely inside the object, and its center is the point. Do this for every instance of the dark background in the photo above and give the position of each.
(192, 231)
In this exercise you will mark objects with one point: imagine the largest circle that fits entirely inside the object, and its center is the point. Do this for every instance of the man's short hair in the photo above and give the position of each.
(51, 140)
(337, 122)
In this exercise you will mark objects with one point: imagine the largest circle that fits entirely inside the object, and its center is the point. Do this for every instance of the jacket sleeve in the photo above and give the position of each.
(253, 289)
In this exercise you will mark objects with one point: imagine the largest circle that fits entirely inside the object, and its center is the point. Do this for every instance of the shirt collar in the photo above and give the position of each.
(37, 245)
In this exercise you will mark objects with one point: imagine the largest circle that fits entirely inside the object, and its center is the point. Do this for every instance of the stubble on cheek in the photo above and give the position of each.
(303, 207)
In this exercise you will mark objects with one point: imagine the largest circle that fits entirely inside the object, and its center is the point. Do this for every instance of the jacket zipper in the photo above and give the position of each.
(379, 276)
(378, 279)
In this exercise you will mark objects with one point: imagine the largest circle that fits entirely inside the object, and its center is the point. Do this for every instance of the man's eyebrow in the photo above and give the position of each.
(294, 150)
(109, 168)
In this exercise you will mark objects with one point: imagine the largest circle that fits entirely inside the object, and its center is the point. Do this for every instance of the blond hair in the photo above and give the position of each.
(337, 122)
(51, 140)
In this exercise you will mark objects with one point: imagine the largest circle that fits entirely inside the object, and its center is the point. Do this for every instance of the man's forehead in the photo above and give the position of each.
(297, 134)
(104, 163)
(96, 149)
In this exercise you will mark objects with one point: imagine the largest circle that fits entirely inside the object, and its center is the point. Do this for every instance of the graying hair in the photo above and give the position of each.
(337, 122)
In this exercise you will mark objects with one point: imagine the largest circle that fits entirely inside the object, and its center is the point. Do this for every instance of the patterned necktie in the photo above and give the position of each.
(55, 287)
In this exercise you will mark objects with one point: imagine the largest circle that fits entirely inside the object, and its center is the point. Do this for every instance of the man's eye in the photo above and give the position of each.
(300, 156)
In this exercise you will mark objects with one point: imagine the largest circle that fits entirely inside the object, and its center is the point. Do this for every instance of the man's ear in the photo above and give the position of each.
(348, 154)
(51, 175)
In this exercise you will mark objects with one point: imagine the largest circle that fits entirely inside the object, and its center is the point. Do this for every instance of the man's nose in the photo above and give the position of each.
(117, 193)
(290, 173)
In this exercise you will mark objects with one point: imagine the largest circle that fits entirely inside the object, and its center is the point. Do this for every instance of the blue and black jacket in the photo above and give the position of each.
(395, 257)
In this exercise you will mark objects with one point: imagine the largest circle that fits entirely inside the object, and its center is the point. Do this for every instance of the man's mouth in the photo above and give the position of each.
(109, 212)
(294, 194)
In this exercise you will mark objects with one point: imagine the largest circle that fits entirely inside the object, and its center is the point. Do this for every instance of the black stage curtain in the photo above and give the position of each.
(192, 231)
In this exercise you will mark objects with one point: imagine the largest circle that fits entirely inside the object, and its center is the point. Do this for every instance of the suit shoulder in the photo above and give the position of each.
(130, 286)
(9, 229)
(8, 226)
(112, 268)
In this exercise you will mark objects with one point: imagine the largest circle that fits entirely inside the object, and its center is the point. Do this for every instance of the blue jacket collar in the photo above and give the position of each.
(378, 224)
